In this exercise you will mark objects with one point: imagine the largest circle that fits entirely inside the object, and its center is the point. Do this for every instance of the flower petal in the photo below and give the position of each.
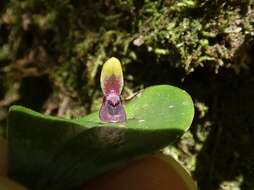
(112, 77)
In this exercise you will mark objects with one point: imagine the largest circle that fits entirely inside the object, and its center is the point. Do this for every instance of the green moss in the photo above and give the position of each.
(187, 31)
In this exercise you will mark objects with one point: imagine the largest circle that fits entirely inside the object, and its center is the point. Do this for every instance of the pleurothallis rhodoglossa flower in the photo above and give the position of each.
(111, 80)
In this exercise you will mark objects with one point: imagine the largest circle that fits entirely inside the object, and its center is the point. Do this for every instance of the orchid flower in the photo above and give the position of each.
(111, 80)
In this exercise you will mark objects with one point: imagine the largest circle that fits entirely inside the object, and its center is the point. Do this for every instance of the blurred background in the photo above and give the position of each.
(51, 53)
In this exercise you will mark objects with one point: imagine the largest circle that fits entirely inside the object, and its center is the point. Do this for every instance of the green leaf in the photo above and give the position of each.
(55, 154)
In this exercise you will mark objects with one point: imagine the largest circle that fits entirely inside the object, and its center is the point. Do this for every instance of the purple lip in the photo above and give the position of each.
(112, 109)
